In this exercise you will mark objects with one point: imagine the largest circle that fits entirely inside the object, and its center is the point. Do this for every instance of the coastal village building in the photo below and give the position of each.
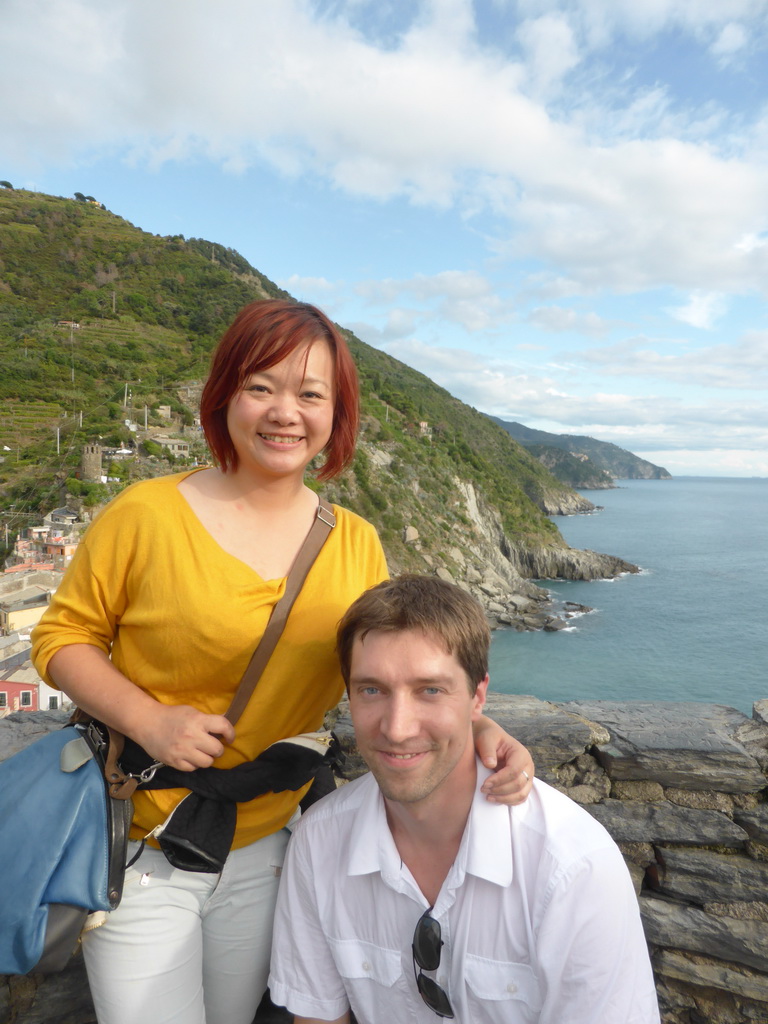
(61, 517)
(172, 444)
(49, 546)
(22, 608)
(32, 573)
(21, 688)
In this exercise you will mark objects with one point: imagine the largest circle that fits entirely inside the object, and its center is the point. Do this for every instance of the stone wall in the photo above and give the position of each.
(683, 789)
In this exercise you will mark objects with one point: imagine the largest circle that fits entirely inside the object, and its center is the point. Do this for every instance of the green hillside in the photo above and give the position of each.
(101, 322)
(621, 464)
(575, 470)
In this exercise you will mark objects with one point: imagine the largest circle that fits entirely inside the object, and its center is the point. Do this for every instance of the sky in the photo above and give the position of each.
(556, 209)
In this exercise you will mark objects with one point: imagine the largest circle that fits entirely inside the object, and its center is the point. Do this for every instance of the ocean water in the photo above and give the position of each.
(691, 626)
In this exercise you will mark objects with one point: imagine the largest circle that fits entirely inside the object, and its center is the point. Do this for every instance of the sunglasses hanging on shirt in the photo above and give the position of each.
(427, 944)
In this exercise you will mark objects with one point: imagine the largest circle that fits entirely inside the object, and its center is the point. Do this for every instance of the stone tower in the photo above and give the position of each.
(91, 462)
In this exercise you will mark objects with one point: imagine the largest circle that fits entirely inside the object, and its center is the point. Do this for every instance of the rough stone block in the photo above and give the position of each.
(684, 745)
(637, 874)
(642, 854)
(673, 926)
(649, 792)
(754, 823)
(699, 970)
(630, 821)
(24, 727)
(745, 801)
(703, 876)
(553, 736)
(703, 800)
(584, 794)
(744, 911)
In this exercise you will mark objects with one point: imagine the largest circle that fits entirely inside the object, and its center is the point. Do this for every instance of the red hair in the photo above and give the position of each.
(262, 335)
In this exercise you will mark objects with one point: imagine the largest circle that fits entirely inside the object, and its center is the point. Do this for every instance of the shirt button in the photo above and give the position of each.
(366, 965)
(511, 988)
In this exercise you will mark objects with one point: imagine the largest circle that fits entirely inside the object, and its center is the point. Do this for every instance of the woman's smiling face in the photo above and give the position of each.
(283, 415)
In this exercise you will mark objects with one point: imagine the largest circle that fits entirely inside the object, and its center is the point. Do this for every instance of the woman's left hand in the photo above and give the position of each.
(512, 781)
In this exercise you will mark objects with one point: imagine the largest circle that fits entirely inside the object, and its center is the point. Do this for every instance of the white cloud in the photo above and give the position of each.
(432, 116)
(465, 298)
(741, 364)
(558, 318)
(599, 22)
(453, 284)
(732, 38)
(399, 323)
(703, 309)
(298, 285)
(556, 401)
(551, 52)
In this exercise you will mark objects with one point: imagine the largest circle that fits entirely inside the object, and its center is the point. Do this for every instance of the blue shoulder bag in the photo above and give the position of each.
(63, 841)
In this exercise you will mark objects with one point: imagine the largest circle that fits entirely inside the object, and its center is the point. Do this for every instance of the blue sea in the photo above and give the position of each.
(691, 626)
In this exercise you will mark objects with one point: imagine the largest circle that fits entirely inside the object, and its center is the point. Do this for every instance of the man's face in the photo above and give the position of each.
(413, 713)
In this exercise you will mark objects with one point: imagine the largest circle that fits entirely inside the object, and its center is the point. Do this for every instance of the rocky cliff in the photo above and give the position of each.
(575, 470)
(445, 524)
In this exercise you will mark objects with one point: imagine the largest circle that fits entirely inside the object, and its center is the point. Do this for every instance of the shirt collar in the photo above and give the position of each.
(371, 846)
(488, 837)
(486, 848)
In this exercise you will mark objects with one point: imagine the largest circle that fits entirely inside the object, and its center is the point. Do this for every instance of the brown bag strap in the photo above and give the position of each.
(122, 786)
(324, 522)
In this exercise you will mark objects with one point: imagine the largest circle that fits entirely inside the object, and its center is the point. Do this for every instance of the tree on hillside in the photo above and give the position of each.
(6, 184)
(79, 197)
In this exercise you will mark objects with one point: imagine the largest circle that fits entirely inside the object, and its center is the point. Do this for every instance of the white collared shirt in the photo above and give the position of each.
(539, 919)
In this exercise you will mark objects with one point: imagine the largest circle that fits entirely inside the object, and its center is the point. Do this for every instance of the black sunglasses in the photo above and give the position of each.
(426, 956)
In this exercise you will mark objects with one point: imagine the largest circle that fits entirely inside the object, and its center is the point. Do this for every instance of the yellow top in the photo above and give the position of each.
(181, 618)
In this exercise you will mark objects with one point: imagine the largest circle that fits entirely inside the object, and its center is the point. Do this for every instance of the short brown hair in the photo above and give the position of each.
(439, 609)
(262, 335)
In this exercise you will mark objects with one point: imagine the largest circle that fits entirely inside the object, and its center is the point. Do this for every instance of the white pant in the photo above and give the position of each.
(185, 947)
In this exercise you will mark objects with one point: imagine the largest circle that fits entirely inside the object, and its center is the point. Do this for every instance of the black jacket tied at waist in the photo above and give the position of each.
(198, 834)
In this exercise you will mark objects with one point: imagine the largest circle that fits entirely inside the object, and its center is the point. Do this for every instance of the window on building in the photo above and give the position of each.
(26, 698)
(53, 703)
(3, 700)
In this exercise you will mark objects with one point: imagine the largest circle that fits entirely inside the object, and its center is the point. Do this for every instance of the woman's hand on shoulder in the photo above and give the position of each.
(512, 780)
(185, 738)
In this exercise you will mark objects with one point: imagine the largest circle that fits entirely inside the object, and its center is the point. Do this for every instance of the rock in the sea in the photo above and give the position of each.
(568, 564)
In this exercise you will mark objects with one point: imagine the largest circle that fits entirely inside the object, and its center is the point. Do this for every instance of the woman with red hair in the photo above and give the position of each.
(153, 626)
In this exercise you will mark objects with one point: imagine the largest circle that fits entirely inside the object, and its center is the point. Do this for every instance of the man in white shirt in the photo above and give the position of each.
(407, 896)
